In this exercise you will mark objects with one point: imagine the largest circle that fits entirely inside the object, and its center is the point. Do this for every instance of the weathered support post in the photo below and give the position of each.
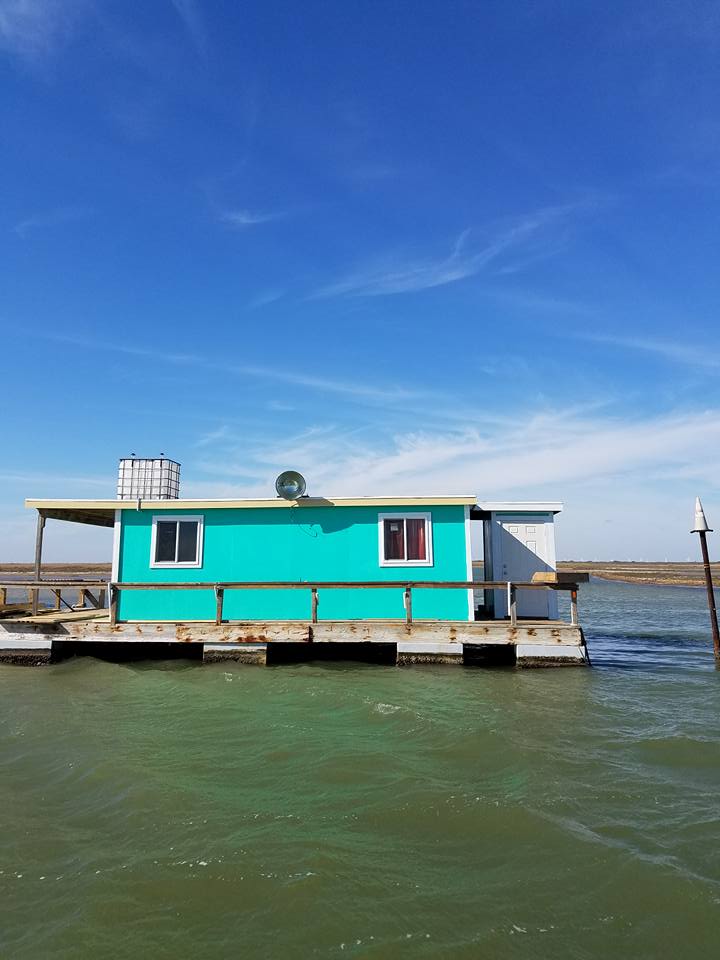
(113, 604)
(82, 598)
(101, 598)
(219, 596)
(314, 605)
(92, 599)
(701, 527)
(3, 596)
(408, 606)
(38, 560)
(512, 603)
(58, 599)
(574, 607)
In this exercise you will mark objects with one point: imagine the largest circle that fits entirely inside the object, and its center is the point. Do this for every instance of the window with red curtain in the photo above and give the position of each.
(405, 539)
(415, 538)
(394, 539)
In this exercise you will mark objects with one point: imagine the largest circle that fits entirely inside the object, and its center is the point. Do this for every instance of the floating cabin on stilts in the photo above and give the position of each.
(267, 580)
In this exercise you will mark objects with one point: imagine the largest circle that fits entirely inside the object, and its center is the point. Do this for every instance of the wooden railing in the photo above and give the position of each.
(85, 587)
(510, 587)
(82, 588)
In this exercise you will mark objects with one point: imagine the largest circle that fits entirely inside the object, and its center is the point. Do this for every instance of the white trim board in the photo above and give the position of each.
(174, 564)
(468, 562)
(117, 533)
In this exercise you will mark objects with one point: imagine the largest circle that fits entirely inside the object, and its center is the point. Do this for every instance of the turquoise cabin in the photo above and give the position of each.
(311, 540)
(294, 539)
(258, 580)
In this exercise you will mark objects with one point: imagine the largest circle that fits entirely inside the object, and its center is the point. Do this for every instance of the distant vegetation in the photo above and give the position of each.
(674, 574)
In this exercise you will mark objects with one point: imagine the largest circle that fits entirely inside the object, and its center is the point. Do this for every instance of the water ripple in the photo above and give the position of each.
(334, 810)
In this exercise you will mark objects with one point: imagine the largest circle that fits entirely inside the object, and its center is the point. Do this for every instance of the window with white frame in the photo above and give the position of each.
(176, 542)
(405, 539)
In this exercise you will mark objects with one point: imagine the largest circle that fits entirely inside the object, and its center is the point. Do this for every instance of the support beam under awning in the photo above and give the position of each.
(95, 518)
(38, 560)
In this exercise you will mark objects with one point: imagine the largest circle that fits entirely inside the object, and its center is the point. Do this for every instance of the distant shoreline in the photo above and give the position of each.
(640, 572)
(625, 571)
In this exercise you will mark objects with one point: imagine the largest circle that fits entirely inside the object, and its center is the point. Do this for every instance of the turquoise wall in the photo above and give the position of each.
(294, 544)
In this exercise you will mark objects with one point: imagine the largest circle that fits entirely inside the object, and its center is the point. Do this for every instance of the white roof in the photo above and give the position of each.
(520, 506)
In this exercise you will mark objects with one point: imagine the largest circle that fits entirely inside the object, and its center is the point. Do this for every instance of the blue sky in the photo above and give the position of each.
(403, 247)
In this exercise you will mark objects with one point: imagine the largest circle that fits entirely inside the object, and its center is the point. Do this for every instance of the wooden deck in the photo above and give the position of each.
(57, 616)
(52, 633)
(527, 642)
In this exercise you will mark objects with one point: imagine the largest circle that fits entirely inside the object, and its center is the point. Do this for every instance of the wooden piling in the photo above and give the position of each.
(710, 595)
(408, 606)
(219, 597)
(114, 592)
(314, 605)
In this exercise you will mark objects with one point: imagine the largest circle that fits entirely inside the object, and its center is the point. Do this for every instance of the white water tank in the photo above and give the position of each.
(148, 478)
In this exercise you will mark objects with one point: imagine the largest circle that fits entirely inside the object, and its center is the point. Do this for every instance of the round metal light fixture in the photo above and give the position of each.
(290, 485)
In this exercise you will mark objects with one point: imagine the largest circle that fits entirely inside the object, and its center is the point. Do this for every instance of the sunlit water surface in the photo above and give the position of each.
(172, 810)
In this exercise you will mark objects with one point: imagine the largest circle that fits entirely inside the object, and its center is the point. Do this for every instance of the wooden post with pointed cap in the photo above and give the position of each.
(701, 527)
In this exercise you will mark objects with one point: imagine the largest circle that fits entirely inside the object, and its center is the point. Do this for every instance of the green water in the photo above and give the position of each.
(172, 810)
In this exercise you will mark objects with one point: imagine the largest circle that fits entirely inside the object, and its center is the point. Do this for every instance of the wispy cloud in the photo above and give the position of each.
(192, 18)
(213, 436)
(264, 298)
(46, 479)
(691, 354)
(31, 29)
(529, 300)
(548, 450)
(247, 218)
(603, 467)
(348, 388)
(352, 389)
(52, 218)
(393, 275)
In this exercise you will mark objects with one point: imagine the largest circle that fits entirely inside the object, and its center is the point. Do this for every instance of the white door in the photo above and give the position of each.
(522, 548)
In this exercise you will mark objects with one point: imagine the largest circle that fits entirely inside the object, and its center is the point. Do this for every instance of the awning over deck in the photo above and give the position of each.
(95, 515)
